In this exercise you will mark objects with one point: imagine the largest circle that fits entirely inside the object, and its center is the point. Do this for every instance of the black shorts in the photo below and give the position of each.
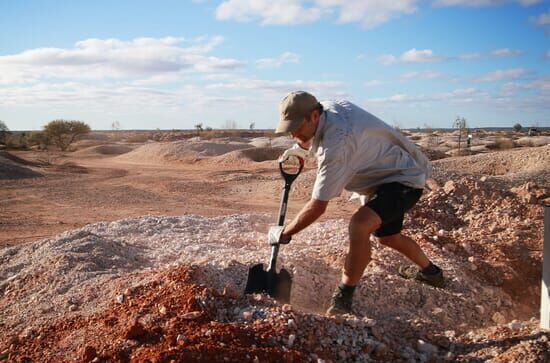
(391, 202)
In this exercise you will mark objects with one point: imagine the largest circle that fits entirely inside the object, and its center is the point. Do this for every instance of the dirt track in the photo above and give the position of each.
(110, 189)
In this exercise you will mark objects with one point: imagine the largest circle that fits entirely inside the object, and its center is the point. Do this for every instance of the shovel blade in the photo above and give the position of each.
(277, 285)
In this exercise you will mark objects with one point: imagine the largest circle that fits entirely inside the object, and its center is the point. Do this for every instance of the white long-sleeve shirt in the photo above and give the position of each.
(357, 151)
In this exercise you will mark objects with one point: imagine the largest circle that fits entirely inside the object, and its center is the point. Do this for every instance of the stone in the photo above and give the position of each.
(247, 315)
(515, 325)
(480, 309)
(163, 310)
(291, 324)
(89, 353)
(191, 315)
(426, 348)
(287, 308)
(449, 187)
(135, 331)
(180, 339)
(230, 292)
(73, 307)
(380, 350)
(498, 318)
(120, 298)
(291, 339)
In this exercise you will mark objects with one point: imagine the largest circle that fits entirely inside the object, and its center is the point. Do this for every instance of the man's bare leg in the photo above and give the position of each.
(407, 247)
(363, 222)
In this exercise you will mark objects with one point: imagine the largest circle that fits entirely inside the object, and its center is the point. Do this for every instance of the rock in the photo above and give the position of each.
(135, 331)
(180, 339)
(480, 309)
(291, 324)
(230, 292)
(442, 233)
(89, 353)
(498, 318)
(449, 187)
(515, 325)
(191, 315)
(120, 299)
(291, 339)
(380, 350)
(426, 348)
(73, 307)
(163, 310)
(483, 178)
(247, 315)
(287, 308)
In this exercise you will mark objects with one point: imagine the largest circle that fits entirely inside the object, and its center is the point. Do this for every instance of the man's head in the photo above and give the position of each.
(299, 114)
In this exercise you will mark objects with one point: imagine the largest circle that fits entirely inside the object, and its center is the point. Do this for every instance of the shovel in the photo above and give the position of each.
(275, 284)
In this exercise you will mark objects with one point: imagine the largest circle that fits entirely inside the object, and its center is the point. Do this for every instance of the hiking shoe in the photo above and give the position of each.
(339, 304)
(413, 272)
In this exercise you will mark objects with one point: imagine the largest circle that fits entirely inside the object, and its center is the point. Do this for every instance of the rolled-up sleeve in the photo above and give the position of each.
(334, 171)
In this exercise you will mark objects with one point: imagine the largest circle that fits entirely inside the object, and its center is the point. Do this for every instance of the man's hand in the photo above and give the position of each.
(295, 150)
(276, 236)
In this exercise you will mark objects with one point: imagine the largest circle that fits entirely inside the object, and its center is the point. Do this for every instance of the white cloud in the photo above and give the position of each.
(367, 13)
(461, 95)
(481, 2)
(420, 56)
(469, 56)
(500, 75)
(279, 87)
(287, 57)
(115, 59)
(387, 59)
(412, 56)
(505, 52)
(542, 19)
(421, 75)
(271, 12)
(373, 83)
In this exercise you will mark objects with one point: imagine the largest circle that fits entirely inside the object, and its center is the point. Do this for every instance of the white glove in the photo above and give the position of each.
(295, 150)
(274, 235)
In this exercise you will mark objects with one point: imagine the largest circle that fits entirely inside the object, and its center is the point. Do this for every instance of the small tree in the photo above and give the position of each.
(63, 133)
(3, 131)
(460, 124)
(199, 128)
(517, 127)
(115, 126)
(252, 126)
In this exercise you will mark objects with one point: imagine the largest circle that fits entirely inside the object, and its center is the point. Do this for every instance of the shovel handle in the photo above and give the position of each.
(289, 178)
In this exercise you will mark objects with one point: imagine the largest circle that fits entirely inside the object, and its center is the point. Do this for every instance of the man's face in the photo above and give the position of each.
(305, 132)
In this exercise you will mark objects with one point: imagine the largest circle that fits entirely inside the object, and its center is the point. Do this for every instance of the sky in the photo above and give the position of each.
(175, 64)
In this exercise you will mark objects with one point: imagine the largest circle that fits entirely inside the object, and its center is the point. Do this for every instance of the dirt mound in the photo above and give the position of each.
(109, 149)
(255, 154)
(499, 163)
(185, 151)
(13, 170)
(117, 286)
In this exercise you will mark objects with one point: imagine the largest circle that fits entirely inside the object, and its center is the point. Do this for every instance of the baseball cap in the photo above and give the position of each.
(292, 110)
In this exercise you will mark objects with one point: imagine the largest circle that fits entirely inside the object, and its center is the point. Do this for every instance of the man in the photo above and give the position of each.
(358, 152)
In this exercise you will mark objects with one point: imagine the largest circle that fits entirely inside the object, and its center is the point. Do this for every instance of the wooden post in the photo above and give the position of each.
(545, 292)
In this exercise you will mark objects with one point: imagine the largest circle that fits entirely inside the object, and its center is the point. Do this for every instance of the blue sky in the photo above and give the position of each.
(174, 64)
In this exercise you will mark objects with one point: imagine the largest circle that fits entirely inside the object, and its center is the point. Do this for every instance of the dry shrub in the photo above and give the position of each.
(502, 144)
(138, 138)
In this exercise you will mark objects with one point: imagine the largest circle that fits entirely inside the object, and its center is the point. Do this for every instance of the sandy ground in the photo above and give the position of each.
(140, 252)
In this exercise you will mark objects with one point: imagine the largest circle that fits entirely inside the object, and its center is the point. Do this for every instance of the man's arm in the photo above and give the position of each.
(309, 214)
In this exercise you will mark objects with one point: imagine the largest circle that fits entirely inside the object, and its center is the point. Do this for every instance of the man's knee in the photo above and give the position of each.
(365, 219)
(390, 241)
